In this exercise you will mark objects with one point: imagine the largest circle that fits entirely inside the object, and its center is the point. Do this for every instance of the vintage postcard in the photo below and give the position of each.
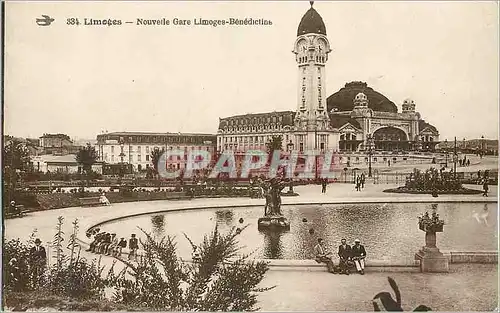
(250, 156)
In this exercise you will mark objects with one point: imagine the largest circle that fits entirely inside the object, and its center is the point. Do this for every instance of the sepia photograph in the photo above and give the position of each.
(250, 156)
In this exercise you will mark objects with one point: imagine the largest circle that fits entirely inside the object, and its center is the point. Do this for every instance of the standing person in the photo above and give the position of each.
(133, 246)
(358, 183)
(468, 162)
(38, 261)
(363, 178)
(323, 185)
(344, 256)
(485, 188)
(358, 255)
(323, 256)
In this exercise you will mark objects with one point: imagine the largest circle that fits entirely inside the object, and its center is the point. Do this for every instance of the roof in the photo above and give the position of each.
(337, 121)
(422, 124)
(68, 158)
(343, 100)
(154, 134)
(63, 136)
(311, 22)
(258, 118)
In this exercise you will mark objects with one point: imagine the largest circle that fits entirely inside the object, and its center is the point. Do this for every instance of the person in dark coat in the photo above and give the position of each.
(38, 260)
(133, 245)
(485, 188)
(358, 255)
(345, 256)
(362, 180)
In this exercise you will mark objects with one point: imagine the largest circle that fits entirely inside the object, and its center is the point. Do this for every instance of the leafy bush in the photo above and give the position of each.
(163, 282)
(70, 275)
(220, 281)
(17, 272)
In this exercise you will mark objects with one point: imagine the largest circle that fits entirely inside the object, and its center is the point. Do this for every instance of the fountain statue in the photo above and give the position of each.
(272, 210)
(431, 259)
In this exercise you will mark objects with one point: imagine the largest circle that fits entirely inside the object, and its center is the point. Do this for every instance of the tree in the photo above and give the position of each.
(156, 154)
(275, 143)
(220, 281)
(15, 160)
(86, 157)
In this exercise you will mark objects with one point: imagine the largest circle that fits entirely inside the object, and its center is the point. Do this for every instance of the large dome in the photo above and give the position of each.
(311, 22)
(343, 100)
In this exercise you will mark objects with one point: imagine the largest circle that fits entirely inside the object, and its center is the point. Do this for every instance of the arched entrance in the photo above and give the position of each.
(390, 139)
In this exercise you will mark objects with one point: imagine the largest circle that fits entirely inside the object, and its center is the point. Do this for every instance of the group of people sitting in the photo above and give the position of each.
(348, 257)
(108, 244)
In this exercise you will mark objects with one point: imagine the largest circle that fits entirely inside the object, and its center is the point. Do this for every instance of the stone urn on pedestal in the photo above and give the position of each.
(431, 259)
(273, 219)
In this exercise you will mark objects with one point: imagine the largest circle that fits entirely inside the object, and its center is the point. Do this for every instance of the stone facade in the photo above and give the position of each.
(135, 147)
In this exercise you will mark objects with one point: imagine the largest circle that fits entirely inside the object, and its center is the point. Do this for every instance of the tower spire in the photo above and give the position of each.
(311, 2)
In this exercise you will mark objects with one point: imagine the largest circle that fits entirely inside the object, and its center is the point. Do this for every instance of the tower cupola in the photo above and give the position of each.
(360, 100)
(408, 105)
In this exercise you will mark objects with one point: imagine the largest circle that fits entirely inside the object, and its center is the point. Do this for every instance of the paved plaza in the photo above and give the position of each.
(466, 287)
(471, 287)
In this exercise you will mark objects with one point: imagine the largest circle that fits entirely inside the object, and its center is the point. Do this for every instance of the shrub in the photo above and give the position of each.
(163, 282)
(17, 273)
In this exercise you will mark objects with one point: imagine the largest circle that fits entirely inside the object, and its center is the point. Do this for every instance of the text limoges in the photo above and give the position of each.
(103, 22)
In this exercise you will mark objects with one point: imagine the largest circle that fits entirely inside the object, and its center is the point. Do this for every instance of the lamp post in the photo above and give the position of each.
(455, 159)
(289, 149)
(369, 140)
(481, 150)
(446, 147)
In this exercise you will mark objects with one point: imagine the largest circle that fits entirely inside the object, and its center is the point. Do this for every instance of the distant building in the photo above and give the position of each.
(58, 144)
(135, 147)
(65, 164)
(55, 141)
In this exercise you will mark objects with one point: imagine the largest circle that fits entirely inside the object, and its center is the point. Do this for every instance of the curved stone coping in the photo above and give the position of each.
(484, 256)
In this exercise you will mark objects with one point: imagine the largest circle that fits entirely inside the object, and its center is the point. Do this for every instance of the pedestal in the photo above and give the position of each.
(277, 222)
(431, 259)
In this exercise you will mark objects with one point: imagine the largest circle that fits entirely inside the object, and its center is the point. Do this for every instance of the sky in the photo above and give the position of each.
(83, 80)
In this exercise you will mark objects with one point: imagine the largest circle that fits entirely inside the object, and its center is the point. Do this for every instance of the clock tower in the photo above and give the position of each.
(311, 51)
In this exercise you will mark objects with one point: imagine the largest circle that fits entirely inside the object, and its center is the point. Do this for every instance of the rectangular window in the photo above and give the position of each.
(147, 149)
(112, 158)
(139, 158)
(138, 149)
(147, 157)
(112, 149)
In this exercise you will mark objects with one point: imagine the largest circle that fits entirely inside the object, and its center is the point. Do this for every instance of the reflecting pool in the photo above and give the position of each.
(388, 231)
